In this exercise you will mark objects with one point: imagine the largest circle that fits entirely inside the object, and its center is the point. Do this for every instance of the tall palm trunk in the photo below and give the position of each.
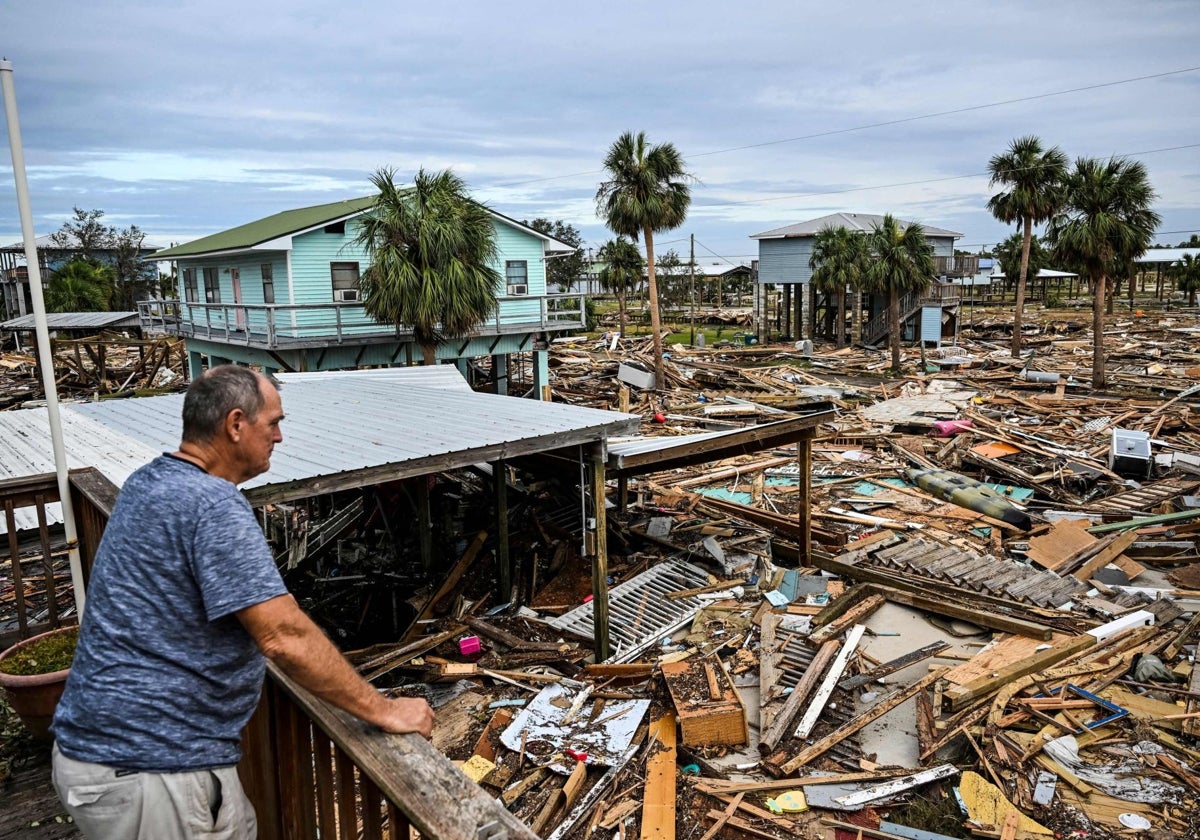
(621, 307)
(1098, 304)
(894, 326)
(655, 325)
(429, 354)
(1019, 311)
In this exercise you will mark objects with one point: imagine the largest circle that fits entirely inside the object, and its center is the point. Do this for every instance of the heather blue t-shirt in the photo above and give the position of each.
(165, 676)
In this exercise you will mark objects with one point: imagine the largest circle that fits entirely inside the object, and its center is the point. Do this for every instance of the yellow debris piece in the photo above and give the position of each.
(791, 802)
(477, 768)
(987, 805)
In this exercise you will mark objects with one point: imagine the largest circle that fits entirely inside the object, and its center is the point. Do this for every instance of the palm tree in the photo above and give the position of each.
(901, 263)
(622, 270)
(1033, 178)
(1012, 251)
(1106, 218)
(837, 262)
(80, 286)
(433, 251)
(1186, 273)
(647, 191)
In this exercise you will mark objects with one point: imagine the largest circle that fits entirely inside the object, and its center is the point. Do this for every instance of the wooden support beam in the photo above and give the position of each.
(804, 462)
(448, 584)
(600, 560)
(503, 560)
(835, 628)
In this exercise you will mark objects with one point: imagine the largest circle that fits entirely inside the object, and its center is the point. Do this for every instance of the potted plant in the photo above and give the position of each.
(33, 674)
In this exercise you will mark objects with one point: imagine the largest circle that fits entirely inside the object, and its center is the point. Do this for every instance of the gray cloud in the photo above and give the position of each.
(190, 118)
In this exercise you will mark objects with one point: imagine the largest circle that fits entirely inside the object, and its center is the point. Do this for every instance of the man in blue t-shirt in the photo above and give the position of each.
(184, 605)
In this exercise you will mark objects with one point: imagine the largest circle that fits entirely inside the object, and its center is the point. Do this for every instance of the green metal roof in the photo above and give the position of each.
(272, 227)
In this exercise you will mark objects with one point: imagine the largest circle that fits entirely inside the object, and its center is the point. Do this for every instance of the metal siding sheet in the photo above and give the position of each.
(931, 324)
(76, 321)
(784, 260)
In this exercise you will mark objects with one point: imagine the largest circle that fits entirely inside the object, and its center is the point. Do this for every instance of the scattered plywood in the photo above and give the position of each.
(658, 809)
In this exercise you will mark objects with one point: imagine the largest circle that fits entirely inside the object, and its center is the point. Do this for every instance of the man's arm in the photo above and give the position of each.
(290, 639)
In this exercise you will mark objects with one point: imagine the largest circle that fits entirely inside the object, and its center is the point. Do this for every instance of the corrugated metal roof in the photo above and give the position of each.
(337, 423)
(340, 423)
(25, 450)
(852, 221)
(76, 321)
(1042, 272)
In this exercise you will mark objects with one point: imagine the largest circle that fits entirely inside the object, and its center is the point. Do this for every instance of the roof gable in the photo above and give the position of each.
(864, 222)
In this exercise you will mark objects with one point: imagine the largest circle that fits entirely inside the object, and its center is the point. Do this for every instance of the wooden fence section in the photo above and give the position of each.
(40, 596)
(313, 771)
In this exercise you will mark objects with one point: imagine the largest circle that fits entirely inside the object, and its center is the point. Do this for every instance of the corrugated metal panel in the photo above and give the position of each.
(336, 422)
(931, 324)
(25, 450)
(639, 613)
(76, 321)
(784, 260)
(343, 422)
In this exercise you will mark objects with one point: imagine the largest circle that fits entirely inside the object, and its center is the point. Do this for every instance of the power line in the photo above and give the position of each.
(914, 183)
(901, 121)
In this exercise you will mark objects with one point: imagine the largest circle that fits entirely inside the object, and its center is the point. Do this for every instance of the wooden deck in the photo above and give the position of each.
(29, 807)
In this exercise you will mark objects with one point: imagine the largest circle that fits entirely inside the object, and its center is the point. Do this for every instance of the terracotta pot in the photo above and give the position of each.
(35, 697)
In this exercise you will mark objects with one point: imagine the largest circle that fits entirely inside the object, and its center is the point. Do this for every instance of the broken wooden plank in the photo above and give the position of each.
(781, 725)
(843, 732)
(894, 665)
(835, 628)
(958, 696)
(658, 808)
(823, 693)
(891, 788)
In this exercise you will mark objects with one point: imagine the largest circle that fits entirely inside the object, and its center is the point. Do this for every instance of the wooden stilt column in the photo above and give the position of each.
(503, 559)
(804, 462)
(600, 557)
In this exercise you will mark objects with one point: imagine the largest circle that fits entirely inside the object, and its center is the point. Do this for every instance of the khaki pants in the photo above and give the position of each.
(109, 804)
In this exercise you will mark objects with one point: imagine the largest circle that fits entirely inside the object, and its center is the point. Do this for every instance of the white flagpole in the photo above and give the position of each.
(45, 356)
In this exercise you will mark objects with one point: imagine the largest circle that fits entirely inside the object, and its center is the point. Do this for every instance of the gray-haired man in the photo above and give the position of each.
(183, 604)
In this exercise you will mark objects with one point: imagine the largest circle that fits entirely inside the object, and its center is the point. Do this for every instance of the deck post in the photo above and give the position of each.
(541, 374)
(600, 557)
(503, 558)
(500, 373)
(804, 462)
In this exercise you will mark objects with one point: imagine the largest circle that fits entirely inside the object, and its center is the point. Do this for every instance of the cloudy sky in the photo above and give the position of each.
(187, 118)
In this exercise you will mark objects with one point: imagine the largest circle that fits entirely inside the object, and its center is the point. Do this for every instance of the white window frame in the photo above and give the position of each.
(516, 277)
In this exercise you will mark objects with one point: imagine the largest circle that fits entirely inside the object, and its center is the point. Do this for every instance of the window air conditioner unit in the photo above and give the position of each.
(519, 289)
(345, 295)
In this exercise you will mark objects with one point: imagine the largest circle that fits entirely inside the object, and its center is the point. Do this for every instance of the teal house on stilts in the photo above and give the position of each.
(282, 293)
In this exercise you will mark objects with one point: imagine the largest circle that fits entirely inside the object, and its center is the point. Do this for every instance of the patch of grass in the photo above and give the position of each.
(45, 656)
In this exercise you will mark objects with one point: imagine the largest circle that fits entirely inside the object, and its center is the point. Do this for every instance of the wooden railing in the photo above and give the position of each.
(281, 325)
(313, 771)
(35, 558)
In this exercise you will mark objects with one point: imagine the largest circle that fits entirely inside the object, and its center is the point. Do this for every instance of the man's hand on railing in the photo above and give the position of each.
(408, 714)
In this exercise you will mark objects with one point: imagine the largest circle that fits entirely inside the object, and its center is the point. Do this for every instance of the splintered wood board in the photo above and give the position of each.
(658, 808)
(1004, 652)
(1064, 538)
(706, 720)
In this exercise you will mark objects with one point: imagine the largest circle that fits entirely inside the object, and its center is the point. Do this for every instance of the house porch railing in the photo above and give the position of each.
(311, 770)
(35, 578)
(274, 326)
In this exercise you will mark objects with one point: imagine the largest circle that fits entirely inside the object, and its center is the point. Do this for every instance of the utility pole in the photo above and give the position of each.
(692, 273)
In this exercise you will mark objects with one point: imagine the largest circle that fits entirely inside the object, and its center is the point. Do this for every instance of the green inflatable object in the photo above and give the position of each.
(969, 493)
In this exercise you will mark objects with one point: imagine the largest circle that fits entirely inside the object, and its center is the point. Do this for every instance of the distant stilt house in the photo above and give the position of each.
(788, 306)
(53, 252)
(282, 293)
